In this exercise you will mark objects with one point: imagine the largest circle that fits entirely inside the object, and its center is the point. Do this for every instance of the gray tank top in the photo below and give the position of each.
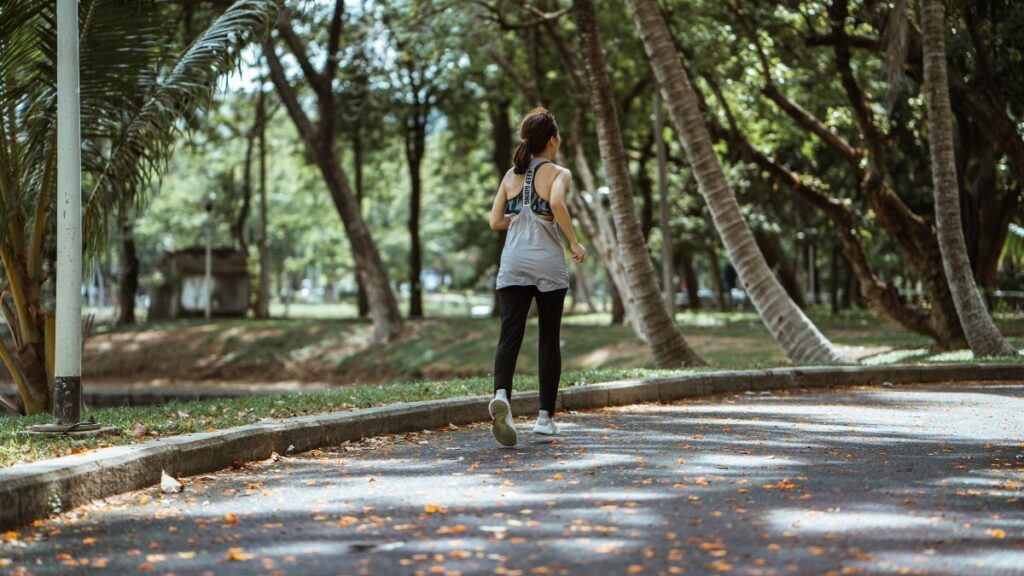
(533, 254)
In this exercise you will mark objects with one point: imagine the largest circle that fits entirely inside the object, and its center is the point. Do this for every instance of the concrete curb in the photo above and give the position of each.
(33, 491)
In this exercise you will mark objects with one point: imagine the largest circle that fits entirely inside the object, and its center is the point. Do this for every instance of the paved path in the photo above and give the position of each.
(875, 480)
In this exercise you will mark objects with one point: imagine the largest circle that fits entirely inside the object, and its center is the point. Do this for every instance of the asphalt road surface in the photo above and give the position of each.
(906, 480)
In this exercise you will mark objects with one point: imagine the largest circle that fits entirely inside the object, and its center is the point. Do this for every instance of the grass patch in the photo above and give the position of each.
(438, 358)
(175, 418)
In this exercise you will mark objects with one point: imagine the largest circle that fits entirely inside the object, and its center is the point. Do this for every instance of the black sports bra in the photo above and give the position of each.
(539, 205)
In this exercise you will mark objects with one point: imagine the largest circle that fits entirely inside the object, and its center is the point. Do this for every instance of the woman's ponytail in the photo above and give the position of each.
(535, 130)
(521, 157)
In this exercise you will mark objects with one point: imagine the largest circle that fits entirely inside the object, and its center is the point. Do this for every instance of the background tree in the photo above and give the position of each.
(982, 334)
(790, 327)
(658, 328)
(320, 139)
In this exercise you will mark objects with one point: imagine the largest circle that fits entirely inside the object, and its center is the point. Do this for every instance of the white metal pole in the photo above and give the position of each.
(67, 402)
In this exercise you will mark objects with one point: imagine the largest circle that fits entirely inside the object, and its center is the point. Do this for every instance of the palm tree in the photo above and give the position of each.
(655, 324)
(797, 335)
(136, 96)
(982, 333)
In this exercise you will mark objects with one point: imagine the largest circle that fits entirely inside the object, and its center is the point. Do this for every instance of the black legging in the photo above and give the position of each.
(515, 305)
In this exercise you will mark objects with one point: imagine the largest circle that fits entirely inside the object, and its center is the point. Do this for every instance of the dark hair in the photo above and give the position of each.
(535, 129)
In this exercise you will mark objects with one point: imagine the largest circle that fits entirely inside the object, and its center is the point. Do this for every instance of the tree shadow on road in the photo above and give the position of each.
(904, 480)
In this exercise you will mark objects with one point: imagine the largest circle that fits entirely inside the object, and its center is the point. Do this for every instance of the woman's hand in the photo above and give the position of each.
(578, 252)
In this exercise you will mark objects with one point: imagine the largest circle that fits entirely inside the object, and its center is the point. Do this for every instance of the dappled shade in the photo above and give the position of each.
(868, 480)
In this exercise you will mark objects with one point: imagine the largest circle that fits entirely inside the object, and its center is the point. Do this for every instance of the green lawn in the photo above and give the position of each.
(204, 415)
(434, 358)
(334, 351)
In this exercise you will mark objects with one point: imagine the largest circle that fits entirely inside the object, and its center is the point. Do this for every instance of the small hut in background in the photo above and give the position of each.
(181, 293)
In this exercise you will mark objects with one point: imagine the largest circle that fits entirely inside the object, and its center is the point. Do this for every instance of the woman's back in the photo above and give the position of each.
(543, 179)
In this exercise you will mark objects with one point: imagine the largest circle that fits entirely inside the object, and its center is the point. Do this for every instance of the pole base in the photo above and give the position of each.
(79, 430)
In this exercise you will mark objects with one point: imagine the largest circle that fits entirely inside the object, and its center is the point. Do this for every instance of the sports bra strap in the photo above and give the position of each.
(528, 183)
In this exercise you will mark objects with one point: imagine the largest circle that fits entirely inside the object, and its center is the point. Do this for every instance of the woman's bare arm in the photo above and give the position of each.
(499, 221)
(559, 189)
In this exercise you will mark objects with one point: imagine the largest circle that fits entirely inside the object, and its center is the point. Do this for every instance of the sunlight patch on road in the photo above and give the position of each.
(838, 520)
(977, 562)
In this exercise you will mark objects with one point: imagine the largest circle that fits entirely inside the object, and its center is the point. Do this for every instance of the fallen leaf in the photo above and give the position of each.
(239, 555)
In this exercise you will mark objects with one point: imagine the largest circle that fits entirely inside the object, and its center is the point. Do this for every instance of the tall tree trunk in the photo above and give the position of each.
(982, 333)
(833, 278)
(812, 268)
(618, 309)
(129, 276)
(362, 304)
(501, 134)
(242, 218)
(415, 141)
(583, 290)
(646, 188)
(320, 141)
(653, 321)
(592, 215)
(263, 245)
(913, 234)
(715, 270)
(788, 274)
(690, 275)
(664, 214)
(850, 286)
(794, 332)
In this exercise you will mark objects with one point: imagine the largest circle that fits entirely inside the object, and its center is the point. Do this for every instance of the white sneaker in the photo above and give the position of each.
(545, 424)
(502, 427)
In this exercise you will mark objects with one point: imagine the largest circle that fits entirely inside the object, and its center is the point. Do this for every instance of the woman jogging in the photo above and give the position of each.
(530, 204)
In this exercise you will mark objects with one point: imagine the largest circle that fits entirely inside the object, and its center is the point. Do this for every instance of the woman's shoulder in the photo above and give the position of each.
(510, 176)
(557, 170)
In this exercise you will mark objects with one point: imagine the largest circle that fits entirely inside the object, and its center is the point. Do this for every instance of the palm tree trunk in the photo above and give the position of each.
(129, 276)
(794, 332)
(982, 333)
(652, 319)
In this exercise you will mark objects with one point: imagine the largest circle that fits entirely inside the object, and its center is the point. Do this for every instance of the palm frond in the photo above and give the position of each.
(136, 88)
(147, 138)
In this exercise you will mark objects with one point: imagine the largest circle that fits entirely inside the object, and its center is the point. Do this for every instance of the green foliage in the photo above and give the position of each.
(136, 94)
